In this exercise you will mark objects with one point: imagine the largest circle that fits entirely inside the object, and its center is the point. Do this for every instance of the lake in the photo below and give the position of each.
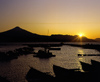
(16, 70)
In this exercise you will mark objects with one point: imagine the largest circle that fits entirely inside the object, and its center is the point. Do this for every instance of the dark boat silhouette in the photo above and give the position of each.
(96, 70)
(86, 67)
(92, 71)
(44, 53)
(96, 65)
(34, 75)
(2, 79)
(69, 75)
(72, 75)
(59, 71)
(54, 48)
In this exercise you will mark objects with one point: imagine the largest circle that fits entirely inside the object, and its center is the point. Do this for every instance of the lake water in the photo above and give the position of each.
(16, 70)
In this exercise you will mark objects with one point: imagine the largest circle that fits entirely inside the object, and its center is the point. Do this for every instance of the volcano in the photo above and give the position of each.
(18, 34)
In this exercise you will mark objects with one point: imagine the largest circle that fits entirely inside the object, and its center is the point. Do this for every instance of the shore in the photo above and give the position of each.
(87, 46)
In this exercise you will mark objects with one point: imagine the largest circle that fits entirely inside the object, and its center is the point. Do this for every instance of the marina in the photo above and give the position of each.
(66, 58)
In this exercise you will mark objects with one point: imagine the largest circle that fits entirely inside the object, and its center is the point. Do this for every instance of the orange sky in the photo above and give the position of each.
(58, 16)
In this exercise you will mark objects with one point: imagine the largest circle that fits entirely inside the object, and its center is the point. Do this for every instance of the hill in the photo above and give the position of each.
(70, 38)
(97, 39)
(18, 34)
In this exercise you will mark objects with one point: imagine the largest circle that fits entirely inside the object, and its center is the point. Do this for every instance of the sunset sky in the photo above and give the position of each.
(52, 16)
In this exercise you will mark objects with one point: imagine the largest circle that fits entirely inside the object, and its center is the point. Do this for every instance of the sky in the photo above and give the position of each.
(46, 17)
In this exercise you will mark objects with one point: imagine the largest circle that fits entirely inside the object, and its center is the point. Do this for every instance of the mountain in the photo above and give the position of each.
(97, 39)
(18, 34)
(70, 38)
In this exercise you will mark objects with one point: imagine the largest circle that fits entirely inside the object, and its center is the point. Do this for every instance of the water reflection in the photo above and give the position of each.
(80, 51)
(67, 57)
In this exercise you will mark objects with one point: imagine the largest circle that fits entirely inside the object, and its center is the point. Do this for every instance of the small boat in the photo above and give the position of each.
(44, 54)
(96, 65)
(2, 79)
(86, 67)
(68, 75)
(59, 71)
(34, 75)
(96, 70)
(54, 48)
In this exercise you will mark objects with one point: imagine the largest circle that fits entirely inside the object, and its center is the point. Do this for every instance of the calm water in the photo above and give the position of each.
(16, 69)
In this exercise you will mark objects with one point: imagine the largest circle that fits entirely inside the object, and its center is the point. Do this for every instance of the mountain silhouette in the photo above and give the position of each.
(18, 34)
(97, 39)
(17, 31)
(70, 38)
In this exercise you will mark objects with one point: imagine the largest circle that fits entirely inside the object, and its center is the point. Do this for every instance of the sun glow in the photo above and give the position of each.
(80, 35)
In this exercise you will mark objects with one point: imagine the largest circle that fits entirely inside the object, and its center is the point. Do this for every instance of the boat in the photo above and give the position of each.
(2, 79)
(54, 48)
(96, 70)
(44, 54)
(86, 67)
(59, 71)
(96, 65)
(68, 75)
(35, 75)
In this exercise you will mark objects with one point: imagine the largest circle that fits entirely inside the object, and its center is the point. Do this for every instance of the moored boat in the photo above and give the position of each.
(54, 48)
(34, 75)
(59, 71)
(44, 54)
(69, 75)
(86, 67)
(96, 65)
(2, 79)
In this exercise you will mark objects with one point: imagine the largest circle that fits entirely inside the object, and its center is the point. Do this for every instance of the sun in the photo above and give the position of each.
(80, 35)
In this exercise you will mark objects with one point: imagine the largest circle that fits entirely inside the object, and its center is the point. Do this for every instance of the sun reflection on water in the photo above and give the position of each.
(80, 51)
